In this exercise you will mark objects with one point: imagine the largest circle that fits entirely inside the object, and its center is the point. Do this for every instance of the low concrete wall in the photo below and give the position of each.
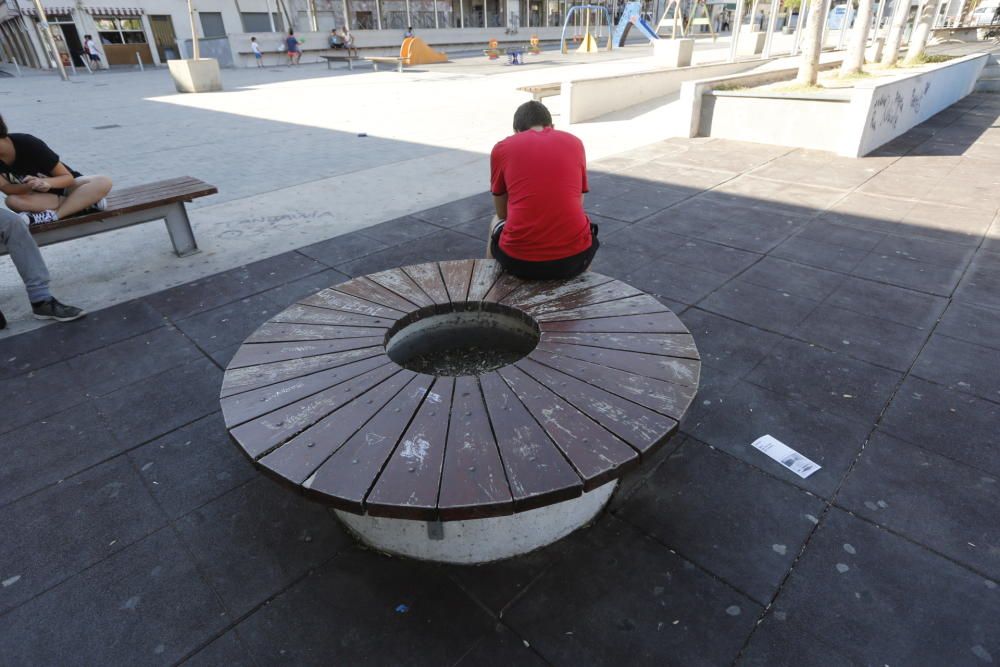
(775, 119)
(586, 99)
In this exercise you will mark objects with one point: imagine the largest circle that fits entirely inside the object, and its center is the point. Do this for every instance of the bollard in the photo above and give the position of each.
(86, 63)
(17, 67)
(139, 58)
(72, 66)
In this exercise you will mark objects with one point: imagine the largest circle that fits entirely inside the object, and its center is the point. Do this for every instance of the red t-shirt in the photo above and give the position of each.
(543, 175)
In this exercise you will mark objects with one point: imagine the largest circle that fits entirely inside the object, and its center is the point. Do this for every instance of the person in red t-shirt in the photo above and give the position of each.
(538, 177)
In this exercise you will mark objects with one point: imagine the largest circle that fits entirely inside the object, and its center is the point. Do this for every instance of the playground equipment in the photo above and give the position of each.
(673, 17)
(632, 16)
(588, 43)
(514, 53)
(415, 51)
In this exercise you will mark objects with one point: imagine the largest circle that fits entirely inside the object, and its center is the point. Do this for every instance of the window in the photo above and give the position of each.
(257, 22)
(211, 24)
(112, 30)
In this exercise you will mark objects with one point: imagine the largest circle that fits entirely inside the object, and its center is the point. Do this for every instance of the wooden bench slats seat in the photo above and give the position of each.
(313, 399)
(539, 92)
(330, 59)
(386, 60)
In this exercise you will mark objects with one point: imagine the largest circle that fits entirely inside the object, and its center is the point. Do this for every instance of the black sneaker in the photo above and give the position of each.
(50, 309)
(39, 218)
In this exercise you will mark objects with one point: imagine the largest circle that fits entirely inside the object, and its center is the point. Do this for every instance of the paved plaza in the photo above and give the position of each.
(848, 307)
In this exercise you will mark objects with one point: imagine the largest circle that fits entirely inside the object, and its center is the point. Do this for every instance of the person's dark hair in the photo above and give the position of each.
(3, 129)
(291, 32)
(530, 114)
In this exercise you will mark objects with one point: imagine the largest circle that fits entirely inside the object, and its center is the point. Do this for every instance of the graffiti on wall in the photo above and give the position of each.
(889, 106)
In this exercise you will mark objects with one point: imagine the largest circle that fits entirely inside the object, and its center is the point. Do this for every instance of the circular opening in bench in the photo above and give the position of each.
(468, 339)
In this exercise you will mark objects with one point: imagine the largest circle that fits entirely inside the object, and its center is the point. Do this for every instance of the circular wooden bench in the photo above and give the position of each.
(468, 468)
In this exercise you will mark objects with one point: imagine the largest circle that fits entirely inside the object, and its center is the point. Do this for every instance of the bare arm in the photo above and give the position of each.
(59, 178)
(500, 205)
(9, 188)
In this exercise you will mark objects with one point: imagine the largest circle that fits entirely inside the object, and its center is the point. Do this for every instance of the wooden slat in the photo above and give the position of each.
(668, 369)
(457, 274)
(241, 408)
(666, 398)
(504, 285)
(299, 314)
(673, 345)
(334, 300)
(252, 354)
(636, 305)
(259, 436)
(537, 292)
(396, 281)
(408, 487)
(345, 478)
(665, 322)
(300, 456)
(371, 291)
(640, 427)
(598, 295)
(428, 278)
(239, 380)
(283, 332)
(484, 275)
(537, 472)
(597, 454)
(473, 483)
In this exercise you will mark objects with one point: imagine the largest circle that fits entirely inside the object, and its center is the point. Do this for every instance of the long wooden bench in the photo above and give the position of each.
(339, 58)
(543, 90)
(162, 200)
(386, 60)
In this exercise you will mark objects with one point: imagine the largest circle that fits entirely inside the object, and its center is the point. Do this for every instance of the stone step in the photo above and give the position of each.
(988, 86)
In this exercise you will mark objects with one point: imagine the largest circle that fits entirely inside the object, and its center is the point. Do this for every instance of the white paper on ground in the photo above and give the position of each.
(785, 455)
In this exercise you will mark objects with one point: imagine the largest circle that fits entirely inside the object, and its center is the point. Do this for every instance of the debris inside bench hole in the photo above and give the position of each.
(785, 455)
(402, 609)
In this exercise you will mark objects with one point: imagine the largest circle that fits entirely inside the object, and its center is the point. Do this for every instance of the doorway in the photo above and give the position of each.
(166, 39)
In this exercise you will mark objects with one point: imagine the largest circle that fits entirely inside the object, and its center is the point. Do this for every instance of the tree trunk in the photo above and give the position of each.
(809, 67)
(921, 31)
(855, 56)
(890, 52)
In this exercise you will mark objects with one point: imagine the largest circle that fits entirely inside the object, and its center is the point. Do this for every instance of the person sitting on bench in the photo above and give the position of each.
(336, 39)
(40, 187)
(538, 178)
(29, 263)
(345, 34)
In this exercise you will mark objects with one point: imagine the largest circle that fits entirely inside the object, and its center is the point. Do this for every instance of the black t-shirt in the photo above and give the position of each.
(32, 156)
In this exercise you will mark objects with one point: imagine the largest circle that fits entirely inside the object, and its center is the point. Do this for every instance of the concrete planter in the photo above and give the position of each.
(196, 76)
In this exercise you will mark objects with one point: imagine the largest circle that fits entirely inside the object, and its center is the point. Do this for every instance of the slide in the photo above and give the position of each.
(415, 51)
(632, 16)
(645, 28)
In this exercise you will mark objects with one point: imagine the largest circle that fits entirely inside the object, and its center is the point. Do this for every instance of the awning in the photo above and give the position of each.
(114, 11)
(49, 11)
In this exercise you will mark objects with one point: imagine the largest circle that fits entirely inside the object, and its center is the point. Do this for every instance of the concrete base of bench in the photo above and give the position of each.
(479, 540)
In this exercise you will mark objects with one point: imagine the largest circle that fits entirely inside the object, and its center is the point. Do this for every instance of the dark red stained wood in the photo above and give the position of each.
(597, 455)
(371, 291)
(537, 472)
(668, 369)
(473, 483)
(334, 300)
(282, 332)
(299, 314)
(408, 487)
(244, 379)
(457, 274)
(666, 398)
(257, 402)
(640, 427)
(631, 306)
(428, 278)
(297, 458)
(536, 292)
(671, 345)
(345, 478)
(396, 281)
(602, 294)
(483, 276)
(504, 285)
(251, 354)
(259, 436)
(665, 322)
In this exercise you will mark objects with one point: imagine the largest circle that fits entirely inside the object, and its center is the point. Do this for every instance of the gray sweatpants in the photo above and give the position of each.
(24, 252)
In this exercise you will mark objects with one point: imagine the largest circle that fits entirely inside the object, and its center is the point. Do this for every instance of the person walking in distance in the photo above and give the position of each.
(293, 49)
(257, 55)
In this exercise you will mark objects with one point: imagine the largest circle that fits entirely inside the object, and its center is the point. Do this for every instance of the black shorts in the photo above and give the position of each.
(553, 269)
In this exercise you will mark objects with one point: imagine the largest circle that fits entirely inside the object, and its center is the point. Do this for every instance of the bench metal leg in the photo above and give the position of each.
(399, 67)
(350, 64)
(179, 228)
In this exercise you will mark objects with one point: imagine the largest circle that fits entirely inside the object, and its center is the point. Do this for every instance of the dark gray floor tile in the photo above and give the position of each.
(662, 277)
(441, 245)
(736, 418)
(711, 257)
(150, 408)
(624, 599)
(651, 238)
(628, 209)
(225, 355)
(38, 394)
(617, 262)
(258, 539)
(963, 366)
(862, 596)
(345, 248)
(947, 255)
(496, 585)
(53, 449)
(953, 424)
(502, 648)
(736, 522)
(115, 366)
(863, 337)
(229, 325)
(58, 532)
(227, 650)
(981, 284)
(971, 324)
(145, 605)
(478, 228)
(778, 311)
(201, 295)
(366, 609)
(727, 344)
(399, 230)
(825, 231)
(192, 465)
(896, 304)
(920, 276)
(813, 252)
(828, 380)
(459, 211)
(934, 501)
(795, 279)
